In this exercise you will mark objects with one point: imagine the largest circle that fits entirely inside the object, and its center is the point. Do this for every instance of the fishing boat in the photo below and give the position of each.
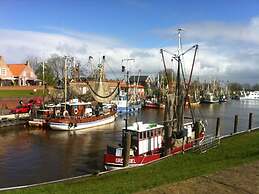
(124, 105)
(81, 115)
(209, 98)
(252, 95)
(40, 117)
(153, 103)
(144, 143)
(148, 144)
(76, 114)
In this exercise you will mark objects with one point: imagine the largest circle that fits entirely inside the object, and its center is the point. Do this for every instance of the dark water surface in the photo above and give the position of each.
(30, 156)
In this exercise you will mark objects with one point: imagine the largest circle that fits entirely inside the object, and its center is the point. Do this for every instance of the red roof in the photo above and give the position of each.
(16, 69)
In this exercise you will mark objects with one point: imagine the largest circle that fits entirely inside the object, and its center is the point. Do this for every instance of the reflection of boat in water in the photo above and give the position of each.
(146, 143)
(252, 95)
(77, 114)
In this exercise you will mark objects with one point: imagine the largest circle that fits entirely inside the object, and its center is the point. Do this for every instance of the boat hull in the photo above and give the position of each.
(37, 123)
(64, 126)
(112, 162)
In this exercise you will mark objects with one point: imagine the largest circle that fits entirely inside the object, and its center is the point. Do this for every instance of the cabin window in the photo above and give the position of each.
(148, 134)
(140, 135)
(134, 136)
(144, 134)
(159, 131)
(151, 133)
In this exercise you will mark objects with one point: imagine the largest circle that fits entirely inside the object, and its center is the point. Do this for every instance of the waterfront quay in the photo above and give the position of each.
(33, 155)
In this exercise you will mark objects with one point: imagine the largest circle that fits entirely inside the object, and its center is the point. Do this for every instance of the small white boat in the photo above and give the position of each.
(252, 95)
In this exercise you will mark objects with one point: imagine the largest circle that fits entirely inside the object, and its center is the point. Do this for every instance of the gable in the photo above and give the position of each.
(16, 69)
(4, 69)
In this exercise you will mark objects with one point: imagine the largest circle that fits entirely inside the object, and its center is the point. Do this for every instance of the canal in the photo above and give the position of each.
(30, 155)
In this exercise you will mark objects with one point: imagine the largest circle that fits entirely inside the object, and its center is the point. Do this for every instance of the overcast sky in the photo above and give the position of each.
(227, 33)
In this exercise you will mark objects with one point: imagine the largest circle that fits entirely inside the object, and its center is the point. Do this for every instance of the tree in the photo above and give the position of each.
(234, 87)
(49, 74)
(255, 87)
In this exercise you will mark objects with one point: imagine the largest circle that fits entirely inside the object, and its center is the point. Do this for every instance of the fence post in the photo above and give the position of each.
(235, 123)
(250, 121)
(218, 127)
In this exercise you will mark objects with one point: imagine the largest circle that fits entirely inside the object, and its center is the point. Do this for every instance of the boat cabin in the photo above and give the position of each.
(145, 138)
(74, 107)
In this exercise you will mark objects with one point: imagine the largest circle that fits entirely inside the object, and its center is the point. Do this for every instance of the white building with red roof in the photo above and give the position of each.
(16, 74)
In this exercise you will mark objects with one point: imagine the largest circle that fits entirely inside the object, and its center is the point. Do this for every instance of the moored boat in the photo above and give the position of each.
(148, 144)
(209, 98)
(252, 95)
(81, 115)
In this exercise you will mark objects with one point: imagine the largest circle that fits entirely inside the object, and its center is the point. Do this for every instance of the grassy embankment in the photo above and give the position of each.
(19, 93)
(231, 152)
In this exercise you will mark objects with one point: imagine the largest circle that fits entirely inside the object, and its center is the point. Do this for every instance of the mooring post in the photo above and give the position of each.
(250, 121)
(235, 123)
(218, 127)
(126, 148)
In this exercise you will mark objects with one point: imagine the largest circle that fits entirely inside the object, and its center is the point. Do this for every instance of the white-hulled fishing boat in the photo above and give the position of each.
(77, 114)
(81, 115)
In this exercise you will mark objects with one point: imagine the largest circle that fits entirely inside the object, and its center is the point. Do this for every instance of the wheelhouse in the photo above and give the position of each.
(145, 138)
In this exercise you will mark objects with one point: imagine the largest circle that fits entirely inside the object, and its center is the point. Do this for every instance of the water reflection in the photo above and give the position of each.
(29, 156)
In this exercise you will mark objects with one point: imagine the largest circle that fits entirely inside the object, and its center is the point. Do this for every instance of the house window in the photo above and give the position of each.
(3, 71)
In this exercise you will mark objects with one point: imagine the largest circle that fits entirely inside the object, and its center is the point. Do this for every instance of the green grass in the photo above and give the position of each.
(19, 93)
(232, 151)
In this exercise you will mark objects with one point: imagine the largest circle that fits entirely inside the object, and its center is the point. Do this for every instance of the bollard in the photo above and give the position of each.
(126, 148)
(250, 121)
(235, 123)
(218, 127)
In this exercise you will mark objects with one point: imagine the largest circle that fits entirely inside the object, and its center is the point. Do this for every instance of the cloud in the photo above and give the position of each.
(228, 51)
(16, 45)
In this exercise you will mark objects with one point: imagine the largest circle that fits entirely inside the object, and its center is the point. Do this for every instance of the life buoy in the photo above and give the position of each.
(57, 113)
(76, 111)
(65, 113)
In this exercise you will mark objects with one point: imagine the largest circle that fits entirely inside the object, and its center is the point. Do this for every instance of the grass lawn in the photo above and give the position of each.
(231, 152)
(19, 93)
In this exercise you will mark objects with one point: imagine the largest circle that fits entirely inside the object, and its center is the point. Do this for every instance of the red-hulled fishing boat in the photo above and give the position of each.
(146, 143)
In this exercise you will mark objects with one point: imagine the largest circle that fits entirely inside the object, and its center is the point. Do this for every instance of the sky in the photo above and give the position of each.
(227, 32)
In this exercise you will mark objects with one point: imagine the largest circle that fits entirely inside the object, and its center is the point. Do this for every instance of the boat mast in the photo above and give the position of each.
(65, 80)
(43, 80)
(127, 90)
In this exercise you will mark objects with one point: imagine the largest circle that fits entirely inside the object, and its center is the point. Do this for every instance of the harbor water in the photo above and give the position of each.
(29, 155)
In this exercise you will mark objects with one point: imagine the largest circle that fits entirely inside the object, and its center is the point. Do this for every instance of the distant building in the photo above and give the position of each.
(16, 74)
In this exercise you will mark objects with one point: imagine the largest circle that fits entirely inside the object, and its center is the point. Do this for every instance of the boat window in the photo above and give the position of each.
(159, 131)
(144, 134)
(134, 135)
(148, 134)
(140, 135)
(152, 133)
